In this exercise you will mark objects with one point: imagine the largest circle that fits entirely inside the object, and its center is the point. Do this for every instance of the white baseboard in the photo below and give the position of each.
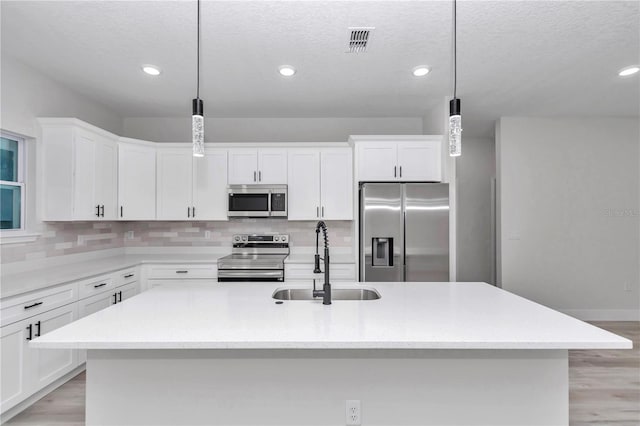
(14, 411)
(603, 314)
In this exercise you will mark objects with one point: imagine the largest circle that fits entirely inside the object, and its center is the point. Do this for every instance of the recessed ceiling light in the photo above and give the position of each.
(151, 69)
(287, 70)
(629, 71)
(421, 71)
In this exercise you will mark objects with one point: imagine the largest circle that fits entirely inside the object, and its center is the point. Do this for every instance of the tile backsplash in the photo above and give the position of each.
(62, 238)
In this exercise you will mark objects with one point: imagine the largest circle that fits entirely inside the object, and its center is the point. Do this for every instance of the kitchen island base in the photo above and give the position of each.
(310, 386)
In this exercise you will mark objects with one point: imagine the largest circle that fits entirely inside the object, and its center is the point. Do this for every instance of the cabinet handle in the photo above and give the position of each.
(260, 176)
(33, 305)
(120, 296)
(254, 176)
(394, 171)
(98, 210)
(115, 298)
(38, 328)
(129, 275)
(30, 328)
(193, 212)
(400, 171)
(182, 272)
(99, 285)
(322, 211)
(188, 211)
(317, 211)
(120, 211)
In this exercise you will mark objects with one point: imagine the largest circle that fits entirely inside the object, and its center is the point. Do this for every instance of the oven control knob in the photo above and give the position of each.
(237, 238)
(283, 238)
(277, 238)
(244, 238)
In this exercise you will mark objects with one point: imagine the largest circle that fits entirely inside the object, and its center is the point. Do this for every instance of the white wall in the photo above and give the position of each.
(570, 214)
(27, 94)
(330, 129)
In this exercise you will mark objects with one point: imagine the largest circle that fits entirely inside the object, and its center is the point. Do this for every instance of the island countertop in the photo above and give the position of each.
(216, 315)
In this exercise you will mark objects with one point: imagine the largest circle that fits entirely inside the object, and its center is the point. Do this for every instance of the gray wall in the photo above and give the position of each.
(324, 129)
(570, 214)
(27, 94)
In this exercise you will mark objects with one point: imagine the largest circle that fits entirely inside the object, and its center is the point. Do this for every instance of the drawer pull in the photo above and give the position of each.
(33, 305)
(119, 296)
(99, 285)
(30, 328)
(129, 275)
(38, 324)
(182, 272)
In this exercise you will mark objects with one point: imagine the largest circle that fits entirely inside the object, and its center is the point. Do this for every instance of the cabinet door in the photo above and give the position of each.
(272, 166)
(377, 161)
(107, 178)
(304, 184)
(419, 161)
(85, 204)
(210, 185)
(336, 184)
(136, 182)
(174, 184)
(127, 291)
(243, 166)
(14, 364)
(51, 364)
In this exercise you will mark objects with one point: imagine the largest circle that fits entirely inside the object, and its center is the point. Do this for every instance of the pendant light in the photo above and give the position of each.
(197, 118)
(455, 118)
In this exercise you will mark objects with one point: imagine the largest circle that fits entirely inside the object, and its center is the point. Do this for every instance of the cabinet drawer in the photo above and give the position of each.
(96, 285)
(304, 271)
(24, 306)
(127, 276)
(182, 271)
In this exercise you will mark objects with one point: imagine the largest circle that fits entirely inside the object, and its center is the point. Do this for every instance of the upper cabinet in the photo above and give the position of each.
(80, 169)
(320, 184)
(136, 180)
(254, 166)
(191, 188)
(384, 159)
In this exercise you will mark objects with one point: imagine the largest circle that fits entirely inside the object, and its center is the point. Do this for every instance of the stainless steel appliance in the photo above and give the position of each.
(255, 258)
(257, 201)
(404, 232)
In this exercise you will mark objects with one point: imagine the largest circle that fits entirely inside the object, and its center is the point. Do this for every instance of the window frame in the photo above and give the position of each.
(12, 235)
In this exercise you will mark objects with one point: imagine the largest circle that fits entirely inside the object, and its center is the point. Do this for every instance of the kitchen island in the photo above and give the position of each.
(424, 353)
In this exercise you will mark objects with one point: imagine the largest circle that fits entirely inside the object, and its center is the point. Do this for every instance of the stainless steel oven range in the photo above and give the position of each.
(255, 258)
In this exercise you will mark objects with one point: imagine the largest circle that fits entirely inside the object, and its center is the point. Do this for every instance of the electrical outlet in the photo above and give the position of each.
(128, 235)
(354, 414)
(207, 234)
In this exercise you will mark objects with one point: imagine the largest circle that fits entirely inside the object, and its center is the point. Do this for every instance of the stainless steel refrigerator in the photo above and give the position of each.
(404, 232)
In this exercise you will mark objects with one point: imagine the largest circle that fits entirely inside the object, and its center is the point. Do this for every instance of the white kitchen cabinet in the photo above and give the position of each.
(24, 370)
(253, 166)
(400, 161)
(320, 184)
(136, 181)
(304, 185)
(210, 185)
(336, 184)
(192, 188)
(79, 166)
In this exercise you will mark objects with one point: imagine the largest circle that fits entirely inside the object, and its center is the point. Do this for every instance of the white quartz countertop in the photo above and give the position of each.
(36, 279)
(216, 315)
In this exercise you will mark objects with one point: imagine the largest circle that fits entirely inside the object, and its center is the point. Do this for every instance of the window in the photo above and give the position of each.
(11, 183)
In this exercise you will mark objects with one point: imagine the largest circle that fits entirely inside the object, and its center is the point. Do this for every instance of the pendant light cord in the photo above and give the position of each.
(455, 49)
(198, 56)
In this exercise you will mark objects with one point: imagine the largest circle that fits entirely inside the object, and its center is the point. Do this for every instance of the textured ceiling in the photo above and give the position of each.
(515, 58)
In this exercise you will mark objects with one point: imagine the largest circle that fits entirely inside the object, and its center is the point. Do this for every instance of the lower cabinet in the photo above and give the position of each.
(25, 370)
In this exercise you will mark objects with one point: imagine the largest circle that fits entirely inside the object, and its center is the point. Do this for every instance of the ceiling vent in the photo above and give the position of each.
(359, 39)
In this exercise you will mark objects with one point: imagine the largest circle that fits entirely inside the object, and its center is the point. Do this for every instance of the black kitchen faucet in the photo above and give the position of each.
(325, 293)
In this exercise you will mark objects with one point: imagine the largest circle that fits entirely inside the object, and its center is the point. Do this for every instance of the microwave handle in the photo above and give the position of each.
(269, 203)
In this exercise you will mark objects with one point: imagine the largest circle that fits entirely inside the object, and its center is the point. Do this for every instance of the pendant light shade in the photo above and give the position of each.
(197, 117)
(455, 117)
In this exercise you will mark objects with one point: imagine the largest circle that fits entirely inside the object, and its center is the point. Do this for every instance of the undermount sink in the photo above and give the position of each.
(336, 294)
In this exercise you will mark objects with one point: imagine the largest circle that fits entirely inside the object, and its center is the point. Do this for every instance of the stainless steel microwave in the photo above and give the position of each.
(257, 201)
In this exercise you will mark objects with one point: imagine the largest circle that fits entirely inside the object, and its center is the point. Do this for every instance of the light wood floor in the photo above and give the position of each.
(604, 389)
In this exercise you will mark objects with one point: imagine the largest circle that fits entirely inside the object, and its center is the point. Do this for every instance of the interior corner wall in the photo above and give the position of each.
(569, 191)
(270, 129)
(27, 94)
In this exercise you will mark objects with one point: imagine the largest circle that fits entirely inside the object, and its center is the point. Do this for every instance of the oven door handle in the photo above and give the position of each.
(256, 273)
